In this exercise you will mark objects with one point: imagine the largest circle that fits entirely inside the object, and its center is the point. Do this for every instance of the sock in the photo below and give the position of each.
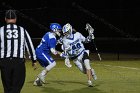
(43, 73)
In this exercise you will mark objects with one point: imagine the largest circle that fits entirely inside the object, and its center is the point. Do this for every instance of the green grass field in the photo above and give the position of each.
(113, 77)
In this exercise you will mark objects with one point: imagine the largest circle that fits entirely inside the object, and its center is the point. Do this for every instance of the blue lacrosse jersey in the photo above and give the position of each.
(48, 41)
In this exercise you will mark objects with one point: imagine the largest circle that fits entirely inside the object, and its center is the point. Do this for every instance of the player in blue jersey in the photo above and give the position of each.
(43, 51)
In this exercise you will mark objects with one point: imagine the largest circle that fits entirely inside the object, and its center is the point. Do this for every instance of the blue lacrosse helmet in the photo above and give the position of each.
(55, 26)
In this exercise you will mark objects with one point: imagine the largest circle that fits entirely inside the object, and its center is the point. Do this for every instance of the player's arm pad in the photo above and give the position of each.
(67, 62)
(54, 51)
(63, 55)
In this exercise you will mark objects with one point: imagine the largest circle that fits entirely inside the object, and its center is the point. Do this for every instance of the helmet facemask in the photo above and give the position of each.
(67, 34)
(67, 30)
(56, 28)
(57, 33)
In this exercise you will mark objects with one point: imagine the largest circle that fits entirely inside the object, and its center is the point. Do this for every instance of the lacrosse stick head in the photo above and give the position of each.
(89, 28)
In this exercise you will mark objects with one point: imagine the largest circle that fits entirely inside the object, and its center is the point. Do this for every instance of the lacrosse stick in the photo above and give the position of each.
(90, 32)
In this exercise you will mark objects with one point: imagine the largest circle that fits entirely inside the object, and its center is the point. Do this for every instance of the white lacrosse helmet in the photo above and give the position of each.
(67, 30)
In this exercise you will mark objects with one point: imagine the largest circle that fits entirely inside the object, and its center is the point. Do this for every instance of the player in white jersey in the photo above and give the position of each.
(73, 46)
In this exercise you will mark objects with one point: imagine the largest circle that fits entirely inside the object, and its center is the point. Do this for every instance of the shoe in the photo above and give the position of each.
(90, 83)
(93, 74)
(41, 78)
(37, 83)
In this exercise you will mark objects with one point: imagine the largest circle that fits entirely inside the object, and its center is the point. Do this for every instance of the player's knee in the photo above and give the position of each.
(85, 56)
(50, 66)
(87, 64)
(54, 64)
(80, 66)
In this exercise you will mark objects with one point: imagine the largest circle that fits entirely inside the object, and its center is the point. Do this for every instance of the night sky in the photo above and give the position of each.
(110, 18)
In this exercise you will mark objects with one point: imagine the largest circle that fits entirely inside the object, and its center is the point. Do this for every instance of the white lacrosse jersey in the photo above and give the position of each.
(73, 46)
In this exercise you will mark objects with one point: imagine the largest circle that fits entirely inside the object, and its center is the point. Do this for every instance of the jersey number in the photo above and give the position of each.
(12, 34)
(77, 46)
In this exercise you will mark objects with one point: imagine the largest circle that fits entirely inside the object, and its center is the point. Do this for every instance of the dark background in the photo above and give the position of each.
(116, 22)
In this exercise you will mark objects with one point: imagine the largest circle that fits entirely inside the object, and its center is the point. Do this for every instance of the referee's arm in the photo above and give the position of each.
(30, 47)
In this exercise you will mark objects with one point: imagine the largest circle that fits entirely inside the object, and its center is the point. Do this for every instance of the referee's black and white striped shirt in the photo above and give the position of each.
(13, 40)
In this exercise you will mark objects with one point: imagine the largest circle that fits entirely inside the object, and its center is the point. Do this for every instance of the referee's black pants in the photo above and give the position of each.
(12, 74)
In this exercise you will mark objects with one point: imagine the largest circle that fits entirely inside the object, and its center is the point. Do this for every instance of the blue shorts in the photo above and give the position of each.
(44, 59)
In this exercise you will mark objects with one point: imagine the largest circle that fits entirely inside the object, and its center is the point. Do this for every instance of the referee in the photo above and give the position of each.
(13, 40)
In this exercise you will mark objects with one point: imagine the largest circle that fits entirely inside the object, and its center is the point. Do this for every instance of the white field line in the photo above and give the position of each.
(102, 65)
(120, 66)
(62, 68)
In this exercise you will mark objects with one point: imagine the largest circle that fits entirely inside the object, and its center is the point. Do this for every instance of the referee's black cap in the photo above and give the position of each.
(10, 14)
